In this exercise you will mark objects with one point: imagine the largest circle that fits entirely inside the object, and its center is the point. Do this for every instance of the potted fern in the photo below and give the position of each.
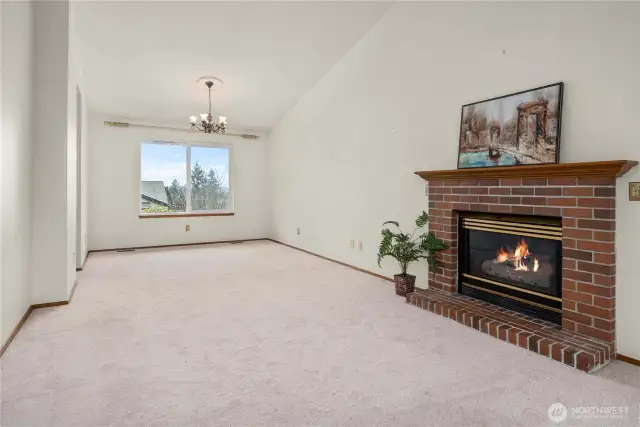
(409, 248)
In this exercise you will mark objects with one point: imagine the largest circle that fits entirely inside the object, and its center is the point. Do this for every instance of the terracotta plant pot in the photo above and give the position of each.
(405, 284)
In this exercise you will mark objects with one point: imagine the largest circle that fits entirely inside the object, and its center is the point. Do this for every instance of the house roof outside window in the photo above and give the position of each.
(153, 191)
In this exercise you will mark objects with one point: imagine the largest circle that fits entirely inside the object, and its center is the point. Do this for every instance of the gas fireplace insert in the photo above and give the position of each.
(512, 261)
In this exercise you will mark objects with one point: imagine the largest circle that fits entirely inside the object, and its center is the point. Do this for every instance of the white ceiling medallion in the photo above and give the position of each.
(217, 82)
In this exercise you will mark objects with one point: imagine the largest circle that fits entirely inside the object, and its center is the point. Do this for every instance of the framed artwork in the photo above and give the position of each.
(522, 128)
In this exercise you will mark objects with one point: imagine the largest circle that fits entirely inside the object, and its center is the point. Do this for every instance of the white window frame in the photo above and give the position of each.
(188, 209)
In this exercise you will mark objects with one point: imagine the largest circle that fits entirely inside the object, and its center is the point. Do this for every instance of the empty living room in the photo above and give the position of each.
(315, 214)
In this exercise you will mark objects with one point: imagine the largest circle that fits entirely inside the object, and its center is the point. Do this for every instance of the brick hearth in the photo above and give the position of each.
(547, 339)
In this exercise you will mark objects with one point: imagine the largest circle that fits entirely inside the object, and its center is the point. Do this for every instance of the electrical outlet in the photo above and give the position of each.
(187, 227)
(352, 243)
(360, 245)
(634, 191)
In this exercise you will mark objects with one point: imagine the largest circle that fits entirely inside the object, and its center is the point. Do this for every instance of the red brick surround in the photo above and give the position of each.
(587, 208)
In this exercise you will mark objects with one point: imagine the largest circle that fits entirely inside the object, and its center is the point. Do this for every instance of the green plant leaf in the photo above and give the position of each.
(432, 261)
(385, 245)
(422, 220)
(391, 222)
(402, 238)
(431, 243)
(432, 246)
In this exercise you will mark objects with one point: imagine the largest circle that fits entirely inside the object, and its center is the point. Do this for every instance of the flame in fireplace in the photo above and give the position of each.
(520, 258)
(522, 250)
(502, 255)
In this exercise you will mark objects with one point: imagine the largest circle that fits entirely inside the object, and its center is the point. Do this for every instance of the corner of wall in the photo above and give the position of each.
(16, 52)
(49, 262)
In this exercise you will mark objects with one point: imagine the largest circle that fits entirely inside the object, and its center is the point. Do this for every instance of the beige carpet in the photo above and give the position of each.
(258, 334)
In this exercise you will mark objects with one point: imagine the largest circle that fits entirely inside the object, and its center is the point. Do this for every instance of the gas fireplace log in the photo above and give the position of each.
(540, 279)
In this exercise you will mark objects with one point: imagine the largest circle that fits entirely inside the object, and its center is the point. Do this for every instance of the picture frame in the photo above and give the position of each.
(521, 128)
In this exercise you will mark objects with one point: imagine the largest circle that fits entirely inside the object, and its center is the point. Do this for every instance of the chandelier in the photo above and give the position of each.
(207, 125)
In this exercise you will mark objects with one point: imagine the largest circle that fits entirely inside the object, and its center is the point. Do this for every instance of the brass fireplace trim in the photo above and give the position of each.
(515, 232)
(511, 218)
(479, 221)
(544, 307)
(515, 288)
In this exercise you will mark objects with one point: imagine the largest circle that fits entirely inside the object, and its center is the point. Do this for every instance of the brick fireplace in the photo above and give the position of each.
(583, 198)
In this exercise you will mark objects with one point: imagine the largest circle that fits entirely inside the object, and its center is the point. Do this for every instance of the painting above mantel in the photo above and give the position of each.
(522, 128)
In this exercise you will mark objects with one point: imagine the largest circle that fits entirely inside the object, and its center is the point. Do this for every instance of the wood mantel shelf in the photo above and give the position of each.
(609, 169)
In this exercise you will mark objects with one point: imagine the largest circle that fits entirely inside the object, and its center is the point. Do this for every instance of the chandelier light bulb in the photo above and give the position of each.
(203, 116)
(222, 119)
(193, 119)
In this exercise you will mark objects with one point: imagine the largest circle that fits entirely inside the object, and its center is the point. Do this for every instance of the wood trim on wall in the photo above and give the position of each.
(133, 248)
(49, 304)
(379, 276)
(86, 256)
(15, 330)
(73, 291)
(185, 215)
(627, 359)
(28, 313)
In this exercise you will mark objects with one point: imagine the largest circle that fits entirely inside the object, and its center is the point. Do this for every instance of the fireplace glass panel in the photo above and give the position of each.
(512, 261)
(525, 262)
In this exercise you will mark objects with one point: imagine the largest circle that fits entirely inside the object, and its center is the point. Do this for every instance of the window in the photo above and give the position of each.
(184, 178)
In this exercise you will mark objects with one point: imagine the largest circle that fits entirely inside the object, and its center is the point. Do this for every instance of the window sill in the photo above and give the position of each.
(184, 215)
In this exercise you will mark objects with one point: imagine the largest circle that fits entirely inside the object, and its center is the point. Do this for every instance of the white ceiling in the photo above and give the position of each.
(140, 60)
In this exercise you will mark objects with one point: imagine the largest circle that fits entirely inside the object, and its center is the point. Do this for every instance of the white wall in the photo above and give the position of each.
(342, 160)
(84, 182)
(51, 272)
(1, 182)
(72, 176)
(75, 212)
(114, 191)
(77, 80)
(16, 151)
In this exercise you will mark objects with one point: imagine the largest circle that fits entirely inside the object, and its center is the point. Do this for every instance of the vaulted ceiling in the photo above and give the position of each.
(140, 60)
